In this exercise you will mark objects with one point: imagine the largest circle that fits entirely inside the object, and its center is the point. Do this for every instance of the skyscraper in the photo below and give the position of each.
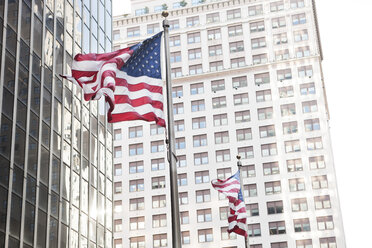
(247, 80)
(55, 148)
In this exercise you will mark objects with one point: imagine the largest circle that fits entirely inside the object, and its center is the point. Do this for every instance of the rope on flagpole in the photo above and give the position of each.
(239, 164)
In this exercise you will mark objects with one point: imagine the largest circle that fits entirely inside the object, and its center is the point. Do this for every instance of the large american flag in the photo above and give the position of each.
(129, 79)
(237, 216)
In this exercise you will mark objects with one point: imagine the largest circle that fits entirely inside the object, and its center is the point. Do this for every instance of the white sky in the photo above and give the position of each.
(346, 37)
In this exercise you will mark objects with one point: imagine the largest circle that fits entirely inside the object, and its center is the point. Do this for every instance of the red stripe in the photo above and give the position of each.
(102, 56)
(238, 230)
(138, 102)
(105, 74)
(140, 86)
(225, 185)
(131, 116)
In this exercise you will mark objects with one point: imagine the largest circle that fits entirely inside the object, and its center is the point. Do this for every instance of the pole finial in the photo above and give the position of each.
(239, 163)
(165, 14)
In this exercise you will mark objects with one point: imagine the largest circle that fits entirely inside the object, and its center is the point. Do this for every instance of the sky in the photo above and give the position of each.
(346, 37)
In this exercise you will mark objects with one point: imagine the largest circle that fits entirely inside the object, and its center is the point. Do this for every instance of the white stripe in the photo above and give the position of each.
(94, 65)
(239, 224)
(86, 79)
(142, 79)
(123, 91)
(141, 110)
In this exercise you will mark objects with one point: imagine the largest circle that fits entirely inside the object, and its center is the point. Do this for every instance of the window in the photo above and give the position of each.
(153, 28)
(296, 184)
(275, 207)
(118, 206)
(117, 152)
(177, 5)
(263, 95)
(192, 21)
(265, 113)
(328, 242)
(279, 245)
(137, 242)
(155, 129)
(200, 140)
(215, 50)
(223, 155)
(175, 57)
(174, 24)
(290, 127)
(201, 177)
(213, 17)
(135, 149)
(319, 182)
(284, 74)
(198, 123)
(158, 201)
(282, 54)
(233, 14)
(117, 170)
(250, 190)
(301, 225)
(270, 168)
(273, 187)
(197, 88)
(246, 152)
(235, 30)
(180, 143)
(176, 72)
(280, 39)
(302, 52)
(276, 6)
(218, 85)
(220, 120)
(223, 173)
(160, 240)
(227, 236)
(239, 82)
(182, 179)
(257, 26)
(224, 213)
(299, 204)
(278, 22)
(195, 69)
(135, 132)
(205, 235)
(117, 187)
(237, 62)
(288, 109)
(181, 161)
(204, 215)
(312, 125)
(159, 220)
(179, 125)
(203, 195)
(297, 4)
(157, 164)
(268, 150)
(294, 165)
(133, 32)
(137, 223)
(307, 89)
(255, 246)
(316, 162)
(242, 116)
(285, 92)
(143, 11)
(174, 41)
(305, 71)
(158, 182)
(314, 143)
(184, 216)
(267, 131)
(258, 42)
(254, 230)
(159, 8)
(185, 237)
(252, 209)
(248, 171)
(194, 53)
(178, 108)
(117, 134)
(300, 35)
(183, 198)
(214, 34)
(197, 105)
(305, 243)
(255, 10)
(243, 134)
(219, 102)
(193, 38)
(116, 35)
(136, 167)
(136, 185)
(262, 78)
(221, 137)
(277, 227)
(137, 204)
(216, 66)
(201, 158)
(299, 19)
(259, 59)
(157, 146)
(325, 223)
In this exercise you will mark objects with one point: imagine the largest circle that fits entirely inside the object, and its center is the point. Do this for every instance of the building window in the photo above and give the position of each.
(204, 215)
(214, 34)
(220, 120)
(133, 32)
(296, 184)
(182, 179)
(246, 152)
(137, 223)
(116, 35)
(299, 19)
(143, 11)
(179, 125)
(319, 182)
(223, 155)
(175, 57)
(158, 201)
(136, 167)
(252, 209)
(174, 24)
(192, 21)
(203, 195)
(193, 38)
(157, 164)
(153, 28)
(198, 123)
(183, 198)
(215, 50)
(174, 41)
(160, 240)
(117, 187)
(255, 10)
(265, 113)
(176, 72)
(243, 134)
(155, 129)
(242, 116)
(275, 207)
(305, 71)
(205, 235)
(137, 241)
(184, 216)
(157, 146)
(307, 89)
(224, 213)
(250, 190)
(117, 152)
(117, 134)
(201, 158)
(309, 106)
(277, 227)
(136, 185)
(201, 177)
(178, 108)
(325, 223)
(300, 35)
(194, 53)
(197, 105)
(221, 137)
(117, 170)
(233, 14)
(254, 230)
(199, 140)
(235, 30)
(263, 95)
(237, 62)
(288, 109)
(299, 205)
(274, 187)
(314, 143)
(223, 173)
(285, 92)
(213, 17)
(302, 52)
(248, 171)
(258, 43)
(181, 161)
(317, 162)
(328, 242)
(305, 243)
(118, 206)
(259, 59)
(185, 237)
(237, 46)
(278, 22)
(158, 182)
(135, 132)
(279, 245)
(180, 143)
(312, 125)
(280, 39)
(282, 54)
(218, 85)
(262, 78)
(268, 150)
(135, 149)
(290, 127)
(255, 246)
(197, 88)
(284, 74)
(239, 82)
(136, 204)
(301, 225)
(270, 168)
(297, 4)
(159, 220)
(219, 102)
(195, 69)
(227, 236)
(267, 131)
(294, 165)
(276, 6)
(216, 66)
(257, 26)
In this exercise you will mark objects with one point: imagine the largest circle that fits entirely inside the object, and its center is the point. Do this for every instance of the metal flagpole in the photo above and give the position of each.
(239, 164)
(176, 230)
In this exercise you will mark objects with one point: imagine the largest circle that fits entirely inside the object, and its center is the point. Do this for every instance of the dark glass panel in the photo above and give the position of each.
(25, 22)
(68, 98)
(47, 105)
(15, 215)
(5, 136)
(13, 13)
(3, 207)
(64, 236)
(29, 226)
(57, 116)
(59, 32)
(35, 96)
(48, 78)
(9, 71)
(2, 235)
(31, 189)
(41, 229)
(53, 232)
(36, 67)
(8, 103)
(38, 8)
(38, 30)
(59, 58)
(19, 147)
(22, 84)
(58, 88)
(43, 197)
(11, 40)
(4, 171)
(34, 125)
(55, 174)
(49, 20)
(21, 114)
(44, 165)
(32, 156)
(18, 180)
(13, 243)
(56, 144)
(45, 135)
(54, 204)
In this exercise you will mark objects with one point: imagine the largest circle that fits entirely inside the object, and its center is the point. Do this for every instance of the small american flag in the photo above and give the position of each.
(237, 216)
(129, 79)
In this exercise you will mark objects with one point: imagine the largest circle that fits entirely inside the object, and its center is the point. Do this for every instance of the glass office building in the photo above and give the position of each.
(55, 148)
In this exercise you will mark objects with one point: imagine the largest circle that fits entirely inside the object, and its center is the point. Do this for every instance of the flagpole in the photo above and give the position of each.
(176, 229)
(239, 164)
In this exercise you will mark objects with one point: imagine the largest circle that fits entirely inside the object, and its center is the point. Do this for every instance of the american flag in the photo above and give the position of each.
(129, 79)
(237, 216)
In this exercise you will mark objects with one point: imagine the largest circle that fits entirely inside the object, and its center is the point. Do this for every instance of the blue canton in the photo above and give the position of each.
(145, 60)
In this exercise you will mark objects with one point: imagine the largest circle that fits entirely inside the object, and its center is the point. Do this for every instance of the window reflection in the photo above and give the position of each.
(48, 49)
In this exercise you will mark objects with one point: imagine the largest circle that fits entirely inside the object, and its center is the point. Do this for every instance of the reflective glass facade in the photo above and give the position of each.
(55, 148)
